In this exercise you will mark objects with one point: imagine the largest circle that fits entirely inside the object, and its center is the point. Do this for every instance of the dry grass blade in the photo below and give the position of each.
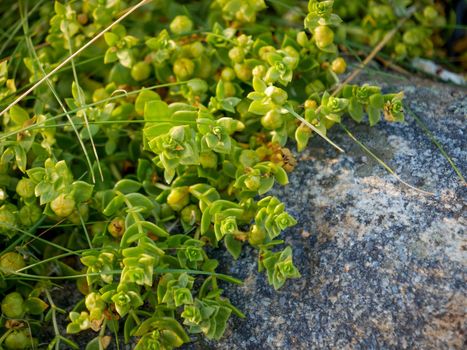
(437, 144)
(52, 89)
(315, 129)
(76, 53)
(81, 100)
(383, 164)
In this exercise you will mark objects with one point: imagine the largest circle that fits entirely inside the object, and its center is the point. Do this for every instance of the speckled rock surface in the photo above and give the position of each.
(383, 266)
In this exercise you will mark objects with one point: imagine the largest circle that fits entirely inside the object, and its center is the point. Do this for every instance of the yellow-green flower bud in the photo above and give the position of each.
(178, 198)
(243, 39)
(13, 305)
(242, 71)
(237, 54)
(259, 71)
(265, 51)
(181, 25)
(117, 227)
(228, 74)
(229, 89)
(196, 49)
(272, 120)
(430, 13)
(284, 220)
(256, 235)
(63, 205)
(338, 66)
(7, 219)
(19, 339)
(324, 36)
(191, 214)
(192, 314)
(302, 39)
(253, 182)
(183, 68)
(25, 188)
(29, 214)
(11, 262)
(413, 36)
(310, 104)
(198, 86)
(141, 71)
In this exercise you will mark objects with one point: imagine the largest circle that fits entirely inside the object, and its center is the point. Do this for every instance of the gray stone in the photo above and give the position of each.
(383, 265)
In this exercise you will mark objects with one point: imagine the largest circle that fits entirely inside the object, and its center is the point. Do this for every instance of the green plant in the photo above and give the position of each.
(367, 22)
(159, 143)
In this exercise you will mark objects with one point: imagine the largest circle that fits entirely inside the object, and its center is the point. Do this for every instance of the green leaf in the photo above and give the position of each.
(374, 115)
(143, 98)
(154, 130)
(266, 185)
(156, 111)
(110, 55)
(87, 132)
(94, 344)
(302, 136)
(233, 246)
(334, 117)
(114, 205)
(205, 222)
(281, 175)
(35, 306)
(259, 107)
(129, 328)
(154, 229)
(18, 115)
(140, 201)
(77, 93)
(377, 101)
(21, 158)
(111, 38)
(36, 174)
(184, 117)
(259, 85)
(356, 110)
(164, 323)
(127, 186)
(59, 8)
(82, 191)
(125, 57)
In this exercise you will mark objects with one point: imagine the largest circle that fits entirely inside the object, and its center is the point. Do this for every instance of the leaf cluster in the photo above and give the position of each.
(159, 144)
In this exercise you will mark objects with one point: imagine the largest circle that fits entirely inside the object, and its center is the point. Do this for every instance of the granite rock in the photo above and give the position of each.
(383, 266)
